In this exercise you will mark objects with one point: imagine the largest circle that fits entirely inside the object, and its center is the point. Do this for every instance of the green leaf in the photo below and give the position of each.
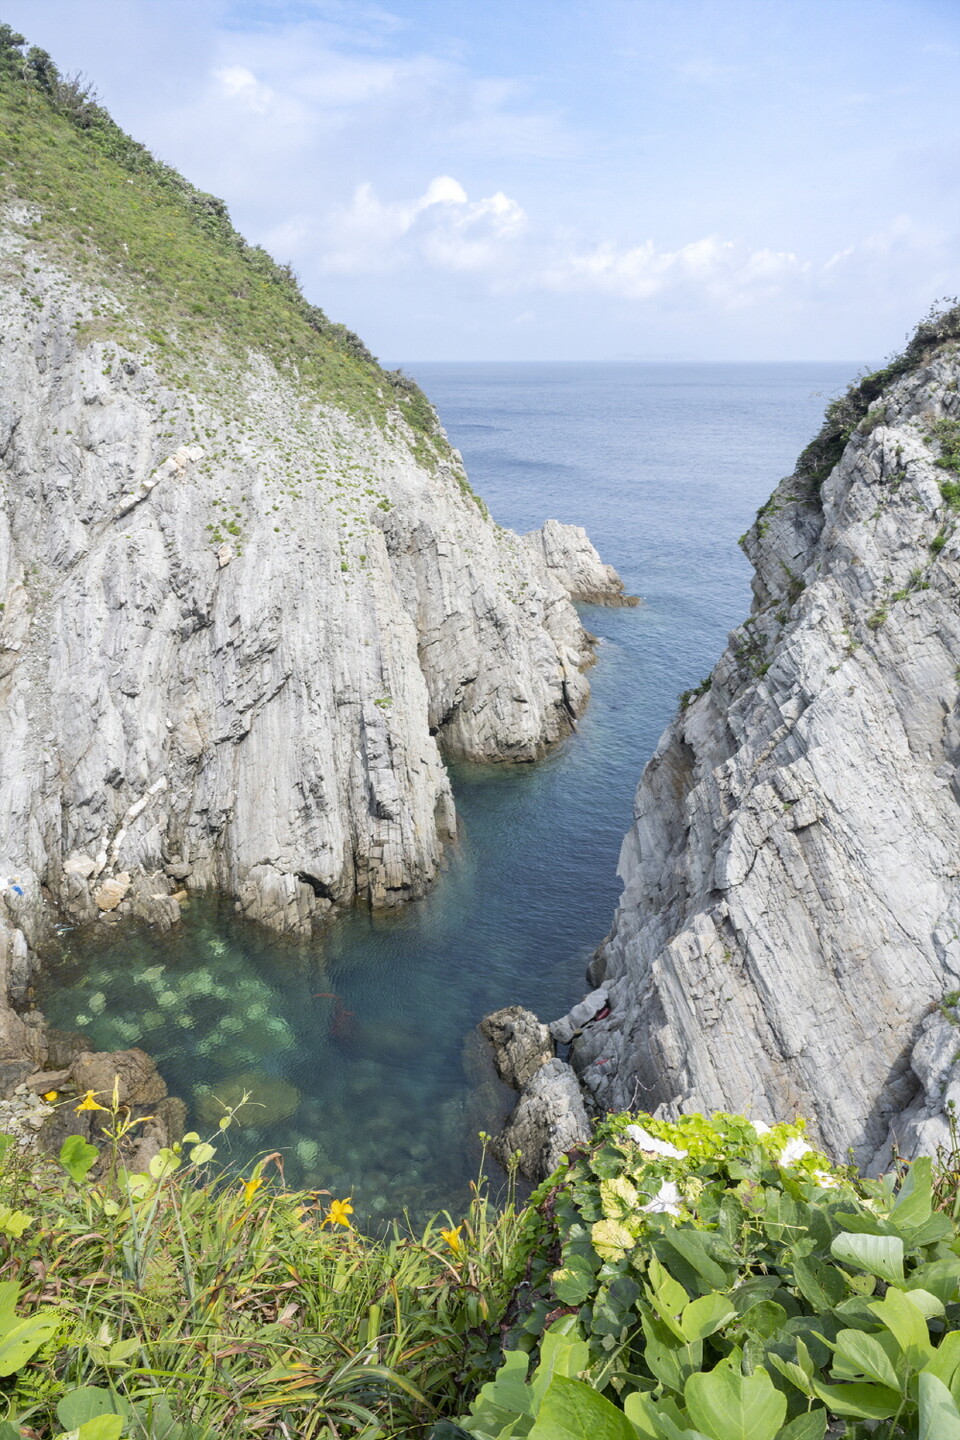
(507, 1390)
(691, 1246)
(641, 1411)
(79, 1406)
(881, 1255)
(163, 1164)
(791, 1372)
(946, 1358)
(14, 1222)
(859, 1354)
(77, 1157)
(572, 1410)
(906, 1323)
(201, 1153)
(559, 1355)
(915, 1202)
(103, 1427)
(706, 1315)
(611, 1239)
(574, 1282)
(821, 1284)
(9, 1431)
(861, 1402)
(619, 1198)
(810, 1426)
(940, 1277)
(930, 1306)
(939, 1416)
(726, 1405)
(23, 1340)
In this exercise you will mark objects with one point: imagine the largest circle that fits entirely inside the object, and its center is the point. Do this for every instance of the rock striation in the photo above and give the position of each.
(790, 917)
(568, 555)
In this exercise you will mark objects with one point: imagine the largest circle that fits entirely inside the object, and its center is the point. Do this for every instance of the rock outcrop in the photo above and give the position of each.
(241, 630)
(569, 556)
(790, 918)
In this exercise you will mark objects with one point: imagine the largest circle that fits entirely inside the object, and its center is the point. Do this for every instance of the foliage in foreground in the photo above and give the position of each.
(174, 1306)
(703, 1281)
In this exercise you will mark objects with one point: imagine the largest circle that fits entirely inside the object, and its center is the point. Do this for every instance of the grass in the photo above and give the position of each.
(186, 282)
(247, 1306)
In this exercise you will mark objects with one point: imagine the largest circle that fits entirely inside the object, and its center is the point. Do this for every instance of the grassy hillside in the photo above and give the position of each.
(187, 282)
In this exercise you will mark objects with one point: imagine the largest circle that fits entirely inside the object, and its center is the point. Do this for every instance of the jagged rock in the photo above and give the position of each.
(138, 1081)
(520, 1043)
(279, 722)
(791, 899)
(572, 561)
(112, 891)
(63, 1047)
(589, 1008)
(550, 1118)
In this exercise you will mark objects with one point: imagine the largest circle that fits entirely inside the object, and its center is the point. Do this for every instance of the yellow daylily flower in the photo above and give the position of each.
(50, 1096)
(338, 1212)
(250, 1187)
(89, 1102)
(452, 1238)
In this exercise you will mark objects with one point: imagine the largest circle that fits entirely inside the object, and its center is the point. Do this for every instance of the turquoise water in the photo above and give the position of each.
(359, 1047)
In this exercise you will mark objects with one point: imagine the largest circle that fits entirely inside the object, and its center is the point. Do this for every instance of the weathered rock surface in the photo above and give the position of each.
(791, 901)
(571, 559)
(272, 722)
(550, 1118)
(520, 1044)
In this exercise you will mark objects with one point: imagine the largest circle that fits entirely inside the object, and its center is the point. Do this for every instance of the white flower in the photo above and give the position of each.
(666, 1201)
(761, 1128)
(794, 1150)
(650, 1143)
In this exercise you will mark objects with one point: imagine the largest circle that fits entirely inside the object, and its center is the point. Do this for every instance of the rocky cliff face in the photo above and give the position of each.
(241, 628)
(790, 919)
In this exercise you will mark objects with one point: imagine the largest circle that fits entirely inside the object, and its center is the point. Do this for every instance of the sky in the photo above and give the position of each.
(561, 180)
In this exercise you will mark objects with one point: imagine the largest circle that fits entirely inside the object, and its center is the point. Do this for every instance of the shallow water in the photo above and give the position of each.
(358, 1047)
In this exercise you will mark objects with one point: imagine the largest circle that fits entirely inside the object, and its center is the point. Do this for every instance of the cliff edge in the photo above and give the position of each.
(788, 939)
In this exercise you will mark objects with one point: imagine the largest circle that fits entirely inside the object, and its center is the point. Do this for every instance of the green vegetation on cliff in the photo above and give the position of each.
(101, 205)
(711, 1279)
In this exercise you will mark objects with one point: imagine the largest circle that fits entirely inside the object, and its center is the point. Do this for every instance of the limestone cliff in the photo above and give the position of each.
(249, 601)
(790, 918)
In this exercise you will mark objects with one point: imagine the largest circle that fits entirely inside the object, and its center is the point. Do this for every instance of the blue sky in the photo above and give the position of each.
(552, 179)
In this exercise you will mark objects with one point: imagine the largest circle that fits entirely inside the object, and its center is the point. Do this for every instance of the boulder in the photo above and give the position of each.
(520, 1044)
(549, 1120)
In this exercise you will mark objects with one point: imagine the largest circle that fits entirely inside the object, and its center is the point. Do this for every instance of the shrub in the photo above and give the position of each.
(716, 1279)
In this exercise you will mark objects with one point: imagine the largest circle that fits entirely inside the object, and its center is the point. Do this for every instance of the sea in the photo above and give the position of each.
(359, 1049)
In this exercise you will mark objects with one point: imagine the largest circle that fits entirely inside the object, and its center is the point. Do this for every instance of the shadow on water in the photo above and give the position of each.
(359, 1046)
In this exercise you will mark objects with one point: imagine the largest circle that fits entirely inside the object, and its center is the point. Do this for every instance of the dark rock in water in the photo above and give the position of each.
(521, 1045)
(549, 1120)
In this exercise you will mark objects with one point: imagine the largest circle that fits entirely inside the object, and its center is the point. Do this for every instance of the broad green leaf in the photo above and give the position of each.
(669, 1293)
(611, 1239)
(881, 1255)
(915, 1202)
(859, 1354)
(726, 1405)
(163, 1164)
(79, 1406)
(821, 1284)
(559, 1355)
(667, 1356)
(121, 1351)
(77, 1157)
(103, 1427)
(810, 1426)
(861, 1402)
(939, 1416)
(641, 1411)
(507, 1390)
(574, 1282)
(691, 1246)
(619, 1198)
(791, 1372)
(704, 1316)
(9, 1431)
(945, 1359)
(906, 1323)
(929, 1305)
(940, 1277)
(9, 1295)
(200, 1154)
(24, 1339)
(572, 1410)
(14, 1222)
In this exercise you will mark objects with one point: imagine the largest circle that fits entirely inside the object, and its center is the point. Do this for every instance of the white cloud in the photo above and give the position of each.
(236, 82)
